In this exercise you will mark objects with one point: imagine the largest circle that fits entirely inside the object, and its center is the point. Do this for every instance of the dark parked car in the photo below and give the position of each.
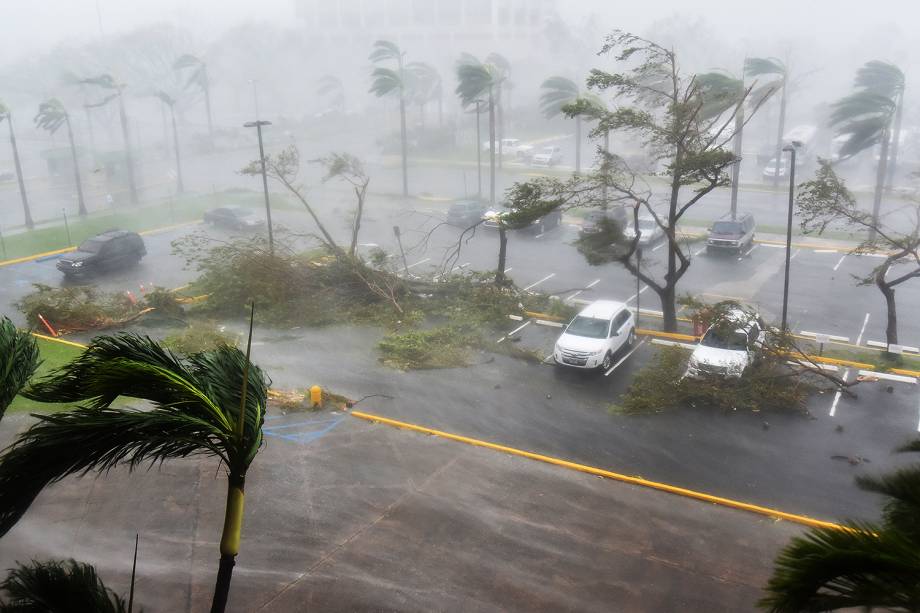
(493, 219)
(731, 234)
(110, 250)
(616, 214)
(465, 213)
(233, 218)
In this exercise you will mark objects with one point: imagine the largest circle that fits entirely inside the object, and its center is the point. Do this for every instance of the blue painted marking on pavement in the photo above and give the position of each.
(304, 437)
(300, 423)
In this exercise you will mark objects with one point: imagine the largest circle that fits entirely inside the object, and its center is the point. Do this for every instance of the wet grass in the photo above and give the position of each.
(53, 356)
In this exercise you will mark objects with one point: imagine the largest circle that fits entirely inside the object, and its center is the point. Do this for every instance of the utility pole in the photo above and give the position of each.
(791, 150)
(268, 209)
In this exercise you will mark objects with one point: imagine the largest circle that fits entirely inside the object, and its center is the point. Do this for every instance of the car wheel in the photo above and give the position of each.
(631, 339)
(607, 363)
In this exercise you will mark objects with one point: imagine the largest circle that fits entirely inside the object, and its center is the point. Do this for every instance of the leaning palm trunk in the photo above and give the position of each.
(736, 167)
(129, 158)
(405, 150)
(781, 126)
(880, 174)
(76, 168)
(895, 145)
(22, 185)
(180, 187)
(491, 147)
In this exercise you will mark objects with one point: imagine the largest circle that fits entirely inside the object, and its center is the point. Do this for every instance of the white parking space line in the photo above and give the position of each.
(515, 331)
(417, 263)
(744, 255)
(842, 339)
(551, 324)
(536, 283)
(623, 359)
(826, 251)
(699, 251)
(588, 286)
(659, 246)
(862, 330)
(509, 269)
(840, 261)
(771, 245)
(837, 395)
(792, 257)
(636, 295)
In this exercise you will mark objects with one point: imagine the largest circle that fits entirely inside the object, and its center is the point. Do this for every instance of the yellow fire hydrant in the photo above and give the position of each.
(316, 395)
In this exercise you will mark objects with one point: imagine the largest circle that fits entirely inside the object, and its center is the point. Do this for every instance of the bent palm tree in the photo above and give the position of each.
(211, 403)
(389, 82)
(778, 78)
(58, 586)
(331, 85)
(425, 87)
(886, 80)
(863, 565)
(198, 77)
(865, 119)
(170, 103)
(6, 114)
(503, 72)
(107, 82)
(51, 116)
(560, 94)
(475, 79)
(18, 361)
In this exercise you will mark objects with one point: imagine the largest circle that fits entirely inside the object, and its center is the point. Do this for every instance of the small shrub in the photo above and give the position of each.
(199, 337)
(75, 308)
(444, 347)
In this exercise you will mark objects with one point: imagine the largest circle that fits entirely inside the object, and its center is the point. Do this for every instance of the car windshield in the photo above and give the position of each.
(718, 338)
(589, 327)
(726, 227)
(91, 246)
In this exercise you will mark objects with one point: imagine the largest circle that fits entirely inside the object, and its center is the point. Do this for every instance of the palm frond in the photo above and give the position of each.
(830, 569)
(882, 78)
(51, 115)
(328, 84)
(902, 491)
(58, 586)
(385, 50)
(104, 81)
(164, 97)
(557, 92)
(385, 82)
(759, 66)
(717, 92)
(19, 358)
(500, 62)
(186, 61)
(474, 80)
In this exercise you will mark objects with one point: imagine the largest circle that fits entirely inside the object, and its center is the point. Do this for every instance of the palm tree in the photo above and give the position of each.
(865, 118)
(475, 79)
(560, 92)
(170, 103)
(331, 85)
(58, 586)
(389, 82)
(210, 403)
(887, 80)
(18, 361)
(108, 83)
(778, 74)
(425, 87)
(51, 116)
(6, 114)
(503, 69)
(862, 565)
(198, 77)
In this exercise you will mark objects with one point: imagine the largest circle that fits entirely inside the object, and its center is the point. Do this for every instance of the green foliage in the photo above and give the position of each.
(475, 79)
(825, 199)
(51, 115)
(864, 117)
(198, 337)
(19, 359)
(79, 307)
(57, 586)
(603, 246)
(444, 347)
(882, 78)
(557, 93)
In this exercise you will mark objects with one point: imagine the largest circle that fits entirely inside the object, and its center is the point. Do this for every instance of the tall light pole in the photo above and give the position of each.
(255, 96)
(791, 150)
(268, 209)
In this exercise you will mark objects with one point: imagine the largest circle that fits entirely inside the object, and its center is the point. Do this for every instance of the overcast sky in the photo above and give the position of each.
(33, 26)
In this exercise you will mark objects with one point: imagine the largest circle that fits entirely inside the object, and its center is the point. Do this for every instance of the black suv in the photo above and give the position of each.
(731, 234)
(107, 251)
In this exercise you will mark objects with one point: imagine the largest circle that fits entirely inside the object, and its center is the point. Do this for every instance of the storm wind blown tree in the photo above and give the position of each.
(474, 80)
(826, 199)
(170, 103)
(210, 403)
(51, 116)
(6, 114)
(502, 92)
(108, 83)
(197, 77)
(887, 80)
(426, 86)
(560, 92)
(863, 565)
(390, 82)
(865, 117)
(777, 75)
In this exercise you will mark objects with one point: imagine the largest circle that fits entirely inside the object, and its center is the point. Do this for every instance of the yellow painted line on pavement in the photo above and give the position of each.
(435, 198)
(36, 256)
(671, 335)
(58, 340)
(655, 485)
(184, 224)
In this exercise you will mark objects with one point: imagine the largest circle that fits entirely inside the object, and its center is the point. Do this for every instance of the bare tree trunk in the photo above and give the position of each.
(175, 133)
(491, 147)
(502, 256)
(405, 149)
(360, 193)
(22, 184)
(129, 159)
(76, 168)
(781, 127)
(895, 145)
(879, 184)
(891, 328)
(92, 136)
(668, 290)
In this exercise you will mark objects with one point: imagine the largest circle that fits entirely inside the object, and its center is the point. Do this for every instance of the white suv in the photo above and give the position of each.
(595, 335)
(731, 344)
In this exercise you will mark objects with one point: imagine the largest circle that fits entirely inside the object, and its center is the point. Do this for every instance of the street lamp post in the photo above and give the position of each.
(268, 209)
(791, 149)
(255, 95)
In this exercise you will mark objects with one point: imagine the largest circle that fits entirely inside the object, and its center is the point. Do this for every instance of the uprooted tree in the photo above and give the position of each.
(672, 115)
(826, 200)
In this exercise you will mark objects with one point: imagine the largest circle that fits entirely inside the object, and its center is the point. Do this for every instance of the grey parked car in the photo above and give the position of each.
(465, 213)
